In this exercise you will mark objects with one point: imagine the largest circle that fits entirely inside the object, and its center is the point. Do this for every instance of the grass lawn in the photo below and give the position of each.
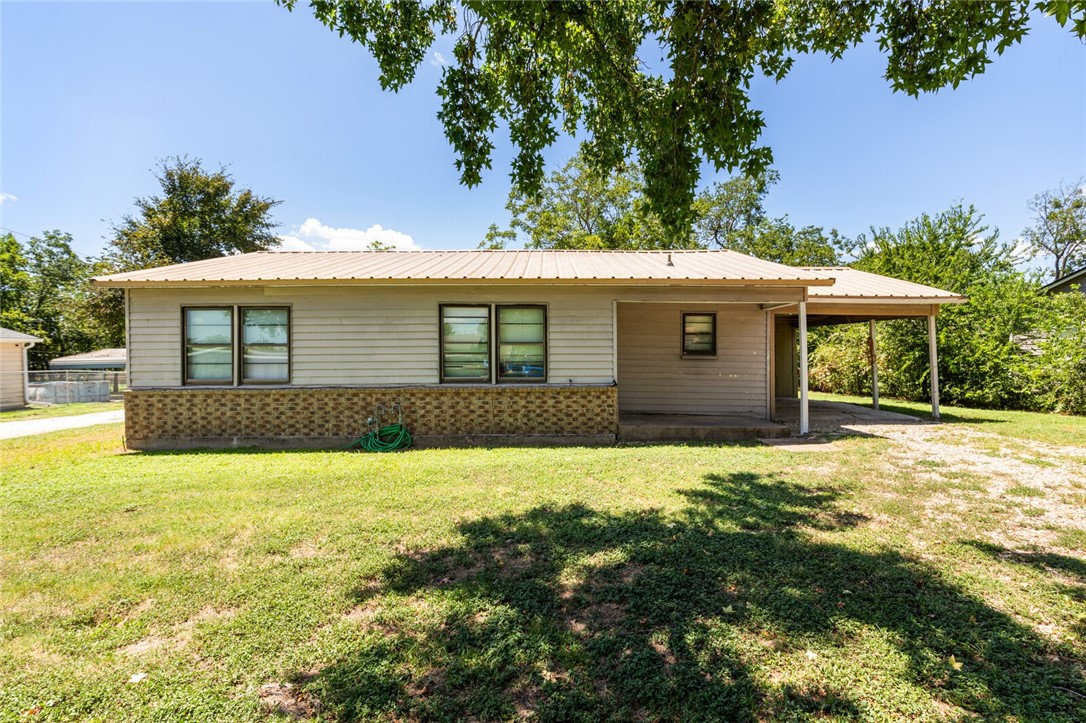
(58, 410)
(667, 582)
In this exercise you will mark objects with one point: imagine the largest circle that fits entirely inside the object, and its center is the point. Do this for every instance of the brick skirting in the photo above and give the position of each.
(324, 416)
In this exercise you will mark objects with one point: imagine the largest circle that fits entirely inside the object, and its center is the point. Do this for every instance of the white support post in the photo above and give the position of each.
(873, 346)
(804, 416)
(933, 360)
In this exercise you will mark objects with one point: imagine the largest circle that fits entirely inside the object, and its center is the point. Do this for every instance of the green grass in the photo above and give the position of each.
(630, 583)
(1061, 429)
(58, 410)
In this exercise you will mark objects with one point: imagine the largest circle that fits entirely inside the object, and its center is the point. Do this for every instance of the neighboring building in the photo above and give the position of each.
(103, 359)
(1074, 281)
(298, 348)
(13, 346)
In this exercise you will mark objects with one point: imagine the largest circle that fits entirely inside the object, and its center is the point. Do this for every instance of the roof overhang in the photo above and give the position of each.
(115, 283)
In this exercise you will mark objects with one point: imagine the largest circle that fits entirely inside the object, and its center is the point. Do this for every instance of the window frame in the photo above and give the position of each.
(489, 378)
(497, 346)
(696, 354)
(237, 360)
(240, 338)
(185, 381)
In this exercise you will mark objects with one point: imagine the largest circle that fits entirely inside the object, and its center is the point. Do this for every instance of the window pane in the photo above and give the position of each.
(266, 363)
(522, 361)
(699, 334)
(264, 326)
(209, 363)
(465, 342)
(521, 315)
(208, 326)
(522, 343)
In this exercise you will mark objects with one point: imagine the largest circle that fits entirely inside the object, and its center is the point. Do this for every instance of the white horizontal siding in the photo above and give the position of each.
(653, 376)
(12, 391)
(372, 336)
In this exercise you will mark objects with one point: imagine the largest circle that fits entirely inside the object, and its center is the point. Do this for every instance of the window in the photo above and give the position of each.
(465, 343)
(699, 334)
(522, 334)
(265, 356)
(209, 350)
(263, 337)
(518, 343)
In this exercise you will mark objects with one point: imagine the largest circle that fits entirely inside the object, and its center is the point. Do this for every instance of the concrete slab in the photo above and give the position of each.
(695, 428)
(838, 417)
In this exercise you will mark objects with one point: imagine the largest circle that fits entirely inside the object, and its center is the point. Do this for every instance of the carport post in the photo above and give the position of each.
(933, 360)
(804, 417)
(872, 345)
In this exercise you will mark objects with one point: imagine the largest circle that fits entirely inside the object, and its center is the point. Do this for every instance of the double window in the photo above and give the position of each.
(699, 334)
(514, 350)
(228, 345)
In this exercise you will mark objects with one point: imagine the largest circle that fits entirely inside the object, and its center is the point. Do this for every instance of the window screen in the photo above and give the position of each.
(522, 333)
(699, 334)
(465, 343)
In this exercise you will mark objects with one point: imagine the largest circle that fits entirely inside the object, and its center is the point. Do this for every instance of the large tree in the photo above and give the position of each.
(580, 208)
(42, 294)
(198, 215)
(663, 80)
(1058, 232)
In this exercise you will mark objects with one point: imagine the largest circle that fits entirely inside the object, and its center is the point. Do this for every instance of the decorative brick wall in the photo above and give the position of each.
(303, 416)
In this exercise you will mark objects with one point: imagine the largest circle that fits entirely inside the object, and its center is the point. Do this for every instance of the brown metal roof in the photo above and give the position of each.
(854, 285)
(456, 267)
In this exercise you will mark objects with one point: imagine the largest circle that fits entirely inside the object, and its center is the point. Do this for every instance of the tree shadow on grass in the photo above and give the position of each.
(571, 613)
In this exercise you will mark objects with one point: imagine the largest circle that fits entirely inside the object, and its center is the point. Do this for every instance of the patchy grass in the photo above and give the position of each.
(631, 583)
(58, 410)
(1059, 429)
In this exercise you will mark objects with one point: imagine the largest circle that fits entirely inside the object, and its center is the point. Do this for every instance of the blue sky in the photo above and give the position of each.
(93, 94)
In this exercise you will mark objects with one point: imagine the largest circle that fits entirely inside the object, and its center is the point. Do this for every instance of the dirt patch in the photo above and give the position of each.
(146, 645)
(290, 700)
(305, 550)
(180, 634)
(997, 471)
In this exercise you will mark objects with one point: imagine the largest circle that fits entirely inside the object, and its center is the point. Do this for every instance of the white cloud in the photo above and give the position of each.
(438, 60)
(315, 236)
(4, 197)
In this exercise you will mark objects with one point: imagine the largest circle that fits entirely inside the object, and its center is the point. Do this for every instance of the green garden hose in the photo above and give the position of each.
(386, 439)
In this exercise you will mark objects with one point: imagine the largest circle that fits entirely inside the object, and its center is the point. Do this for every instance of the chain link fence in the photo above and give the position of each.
(74, 386)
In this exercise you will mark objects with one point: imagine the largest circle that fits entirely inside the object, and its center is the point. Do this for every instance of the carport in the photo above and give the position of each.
(855, 297)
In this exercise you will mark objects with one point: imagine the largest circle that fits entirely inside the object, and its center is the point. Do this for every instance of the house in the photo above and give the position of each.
(299, 348)
(13, 378)
(1074, 281)
(105, 359)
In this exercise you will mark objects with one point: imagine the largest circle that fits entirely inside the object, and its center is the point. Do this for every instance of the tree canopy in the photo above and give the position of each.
(665, 82)
(1058, 232)
(199, 215)
(580, 208)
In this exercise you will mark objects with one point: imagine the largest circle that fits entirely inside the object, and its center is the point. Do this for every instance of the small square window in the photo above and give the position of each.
(699, 334)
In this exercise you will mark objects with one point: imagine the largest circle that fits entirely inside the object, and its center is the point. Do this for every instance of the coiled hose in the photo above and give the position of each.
(388, 438)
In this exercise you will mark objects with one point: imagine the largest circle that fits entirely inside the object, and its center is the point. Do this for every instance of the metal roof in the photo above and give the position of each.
(458, 267)
(854, 285)
(9, 335)
(1069, 278)
(99, 358)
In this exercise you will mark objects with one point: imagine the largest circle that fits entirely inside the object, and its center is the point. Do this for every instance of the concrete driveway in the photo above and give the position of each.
(30, 427)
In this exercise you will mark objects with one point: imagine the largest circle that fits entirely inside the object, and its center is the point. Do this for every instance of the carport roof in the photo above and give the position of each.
(852, 285)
